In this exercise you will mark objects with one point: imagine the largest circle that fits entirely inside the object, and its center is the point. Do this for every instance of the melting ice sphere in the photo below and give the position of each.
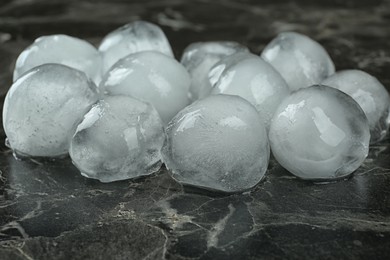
(43, 107)
(62, 49)
(119, 138)
(301, 61)
(218, 143)
(253, 79)
(131, 38)
(152, 77)
(319, 133)
(370, 94)
(199, 57)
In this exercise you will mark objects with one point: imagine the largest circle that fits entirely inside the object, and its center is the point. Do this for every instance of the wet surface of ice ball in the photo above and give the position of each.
(62, 49)
(217, 143)
(319, 133)
(131, 38)
(370, 94)
(119, 138)
(253, 79)
(152, 77)
(43, 108)
(301, 61)
(199, 57)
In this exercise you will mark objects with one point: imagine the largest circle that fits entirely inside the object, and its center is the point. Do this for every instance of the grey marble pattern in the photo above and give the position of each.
(49, 211)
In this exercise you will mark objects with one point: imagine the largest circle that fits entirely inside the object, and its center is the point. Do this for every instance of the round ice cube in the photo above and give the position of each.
(152, 77)
(131, 38)
(199, 57)
(62, 49)
(370, 94)
(43, 108)
(300, 60)
(319, 133)
(119, 138)
(217, 143)
(253, 79)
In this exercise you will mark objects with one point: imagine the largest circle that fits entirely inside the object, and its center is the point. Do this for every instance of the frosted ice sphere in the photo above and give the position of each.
(131, 38)
(152, 77)
(62, 49)
(43, 108)
(119, 138)
(301, 61)
(319, 133)
(370, 94)
(250, 77)
(199, 57)
(217, 143)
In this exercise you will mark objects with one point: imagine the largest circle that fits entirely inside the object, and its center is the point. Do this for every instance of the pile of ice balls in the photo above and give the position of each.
(121, 110)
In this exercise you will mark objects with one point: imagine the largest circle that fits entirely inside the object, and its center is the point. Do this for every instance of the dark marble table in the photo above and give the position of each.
(48, 211)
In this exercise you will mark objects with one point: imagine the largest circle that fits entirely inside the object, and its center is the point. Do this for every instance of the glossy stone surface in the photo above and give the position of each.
(131, 38)
(250, 77)
(151, 77)
(43, 108)
(49, 211)
(370, 94)
(217, 143)
(300, 60)
(119, 138)
(63, 49)
(319, 133)
(199, 57)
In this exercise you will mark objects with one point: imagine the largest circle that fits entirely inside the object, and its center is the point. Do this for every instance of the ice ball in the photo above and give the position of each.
(217, 143)
(62, 49)
(319, 133)
(301, 61)
(152, 77)
(119, 138)
(43, 108)
(370, 94)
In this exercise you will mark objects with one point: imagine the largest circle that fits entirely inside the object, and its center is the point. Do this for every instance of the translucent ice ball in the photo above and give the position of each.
(152, 77)
(319, 133)
(119, 138)
(199, 57)
(250, 77)
(370, 94)
(43, 108)
(62, 49)
(217, 143)
(300, 60)
(131, 38)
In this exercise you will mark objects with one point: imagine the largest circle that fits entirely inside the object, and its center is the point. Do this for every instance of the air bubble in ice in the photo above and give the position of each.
(319, 133)
(218, 143)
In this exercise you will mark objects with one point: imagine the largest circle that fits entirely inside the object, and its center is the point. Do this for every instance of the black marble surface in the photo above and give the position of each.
(49, 211)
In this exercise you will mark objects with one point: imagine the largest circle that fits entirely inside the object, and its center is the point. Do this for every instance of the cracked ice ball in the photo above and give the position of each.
(119, 138)
(152, 77)
(62, 49)
(301, 61)
(131, 38)
(199, 57)
(218, 143)
(250, 77)
(319, 133)
(370, 94)
(43, 108)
